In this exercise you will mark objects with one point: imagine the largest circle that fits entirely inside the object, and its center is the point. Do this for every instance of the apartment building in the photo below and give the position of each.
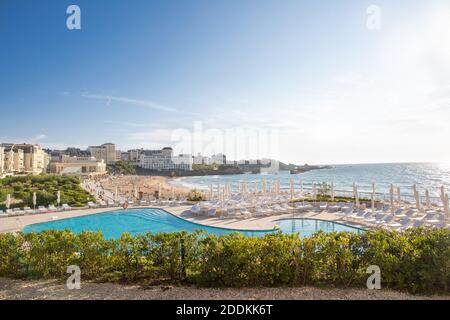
(24, 158)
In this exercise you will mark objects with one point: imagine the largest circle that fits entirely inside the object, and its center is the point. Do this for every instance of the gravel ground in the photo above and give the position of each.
(56, 290)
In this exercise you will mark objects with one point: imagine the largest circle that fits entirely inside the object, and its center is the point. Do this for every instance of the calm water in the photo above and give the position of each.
(138, 221)
(424, 175)
(307, 227)
(133, 221)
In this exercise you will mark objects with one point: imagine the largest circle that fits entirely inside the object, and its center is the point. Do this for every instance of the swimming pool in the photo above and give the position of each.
(137, 221)
(307, 227)
(133, 221)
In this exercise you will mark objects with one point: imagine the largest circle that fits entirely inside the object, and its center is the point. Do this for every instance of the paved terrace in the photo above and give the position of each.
(14, 224)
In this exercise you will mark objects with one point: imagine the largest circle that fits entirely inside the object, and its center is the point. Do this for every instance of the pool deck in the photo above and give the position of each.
(14, 224)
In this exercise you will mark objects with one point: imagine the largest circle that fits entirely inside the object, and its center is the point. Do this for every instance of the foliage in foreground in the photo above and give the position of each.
(417, 260)
(46, 186)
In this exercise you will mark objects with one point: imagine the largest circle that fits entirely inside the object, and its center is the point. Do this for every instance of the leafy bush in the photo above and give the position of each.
(194, 195)
(417, 260)
(121, 167)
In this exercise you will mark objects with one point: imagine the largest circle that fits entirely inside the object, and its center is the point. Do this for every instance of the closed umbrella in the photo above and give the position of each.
(58, 197)
(255, 187)
(399, 197)
(391, 197)
(8, 201)
(301, 187)
(427, 196)
(172, 193)
(442, 193)
(373, 197)
(135, 192)
(446, 208)
(373, 203)
(356, 196)
(417, 197)
(211, 194)
(264, 186)
(34, 200)
(374, 190)
(159, 191)
(116, 195)
(332, 191)
(292, 189)
(314, 191)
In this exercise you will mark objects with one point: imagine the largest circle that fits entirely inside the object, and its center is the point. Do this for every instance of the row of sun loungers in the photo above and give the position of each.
(38, 210)
(382, 217)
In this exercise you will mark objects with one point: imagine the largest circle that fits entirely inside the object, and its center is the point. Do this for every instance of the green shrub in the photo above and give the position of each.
(194, 195)
(417, 260)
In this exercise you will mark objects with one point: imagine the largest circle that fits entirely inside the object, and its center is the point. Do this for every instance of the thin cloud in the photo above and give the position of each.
(35, 139)
(125, 123)
(135, 102)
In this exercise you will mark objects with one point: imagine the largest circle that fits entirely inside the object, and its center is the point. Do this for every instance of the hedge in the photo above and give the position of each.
(417, 260)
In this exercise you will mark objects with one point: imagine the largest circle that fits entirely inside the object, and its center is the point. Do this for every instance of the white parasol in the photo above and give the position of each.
(314, 191)
(391, 198)
(332, 191)
(292, 188)
(34, 200)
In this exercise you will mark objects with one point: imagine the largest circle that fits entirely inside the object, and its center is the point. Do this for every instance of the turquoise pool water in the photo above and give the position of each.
(136, 221)
(133, 221)
(307, 227)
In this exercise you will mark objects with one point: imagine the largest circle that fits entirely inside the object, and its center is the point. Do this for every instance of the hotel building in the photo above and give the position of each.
(218, 159)
(106, 152)
(164, 160)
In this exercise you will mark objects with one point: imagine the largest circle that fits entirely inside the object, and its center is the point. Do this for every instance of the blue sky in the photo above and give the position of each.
(308, 73)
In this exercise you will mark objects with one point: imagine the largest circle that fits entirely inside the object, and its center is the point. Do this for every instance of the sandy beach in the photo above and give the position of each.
(147, 186)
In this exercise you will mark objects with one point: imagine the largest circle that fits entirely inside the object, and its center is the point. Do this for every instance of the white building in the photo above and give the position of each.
(164, 160)
(199, 159)
(219, 158)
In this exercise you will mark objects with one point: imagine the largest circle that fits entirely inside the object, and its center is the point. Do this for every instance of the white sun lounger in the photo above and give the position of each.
(91, 204)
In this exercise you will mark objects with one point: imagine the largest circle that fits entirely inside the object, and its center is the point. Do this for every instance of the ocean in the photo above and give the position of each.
(429, 176)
